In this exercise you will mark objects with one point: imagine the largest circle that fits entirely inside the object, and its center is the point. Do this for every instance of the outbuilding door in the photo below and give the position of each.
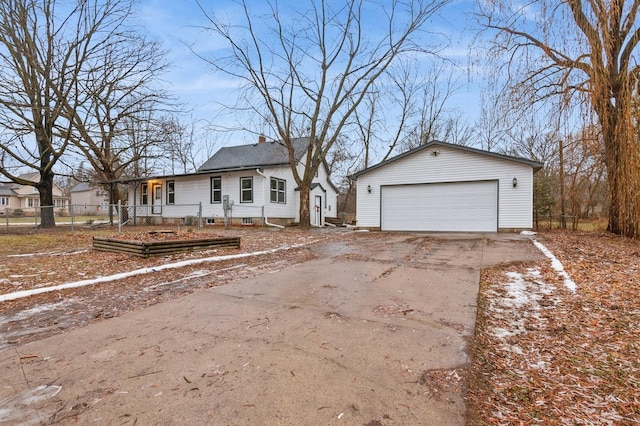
(454, 207)
(316, 212)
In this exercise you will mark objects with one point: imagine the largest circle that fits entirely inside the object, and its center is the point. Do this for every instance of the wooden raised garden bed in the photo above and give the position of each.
(160, 248)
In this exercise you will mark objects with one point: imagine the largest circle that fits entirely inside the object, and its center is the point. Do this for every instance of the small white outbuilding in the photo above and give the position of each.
(448, 188)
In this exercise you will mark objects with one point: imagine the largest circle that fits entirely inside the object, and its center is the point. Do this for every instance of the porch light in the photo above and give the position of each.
(369, 189)
(515, 182)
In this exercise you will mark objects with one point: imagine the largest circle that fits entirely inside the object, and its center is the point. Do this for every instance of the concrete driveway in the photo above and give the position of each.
(372, 332)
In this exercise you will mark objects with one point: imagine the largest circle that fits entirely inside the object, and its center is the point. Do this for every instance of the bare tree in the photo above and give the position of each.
(184, 146)
(493, 126)
(144, 138)
(71, 72)
(306, 71)
(573, 176)
(38, 58)
(433, 119)
(579, 52)
(369, 125)
(117, 93)
(409, 109)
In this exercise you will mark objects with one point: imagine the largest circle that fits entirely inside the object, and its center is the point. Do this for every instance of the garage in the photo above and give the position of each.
(442, 187)
(454, 207)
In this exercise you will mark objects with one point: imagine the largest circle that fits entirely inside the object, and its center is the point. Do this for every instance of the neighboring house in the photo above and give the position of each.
(8, 198)
(246, 184)
(89, 199)
(445, 187)
(27, 198)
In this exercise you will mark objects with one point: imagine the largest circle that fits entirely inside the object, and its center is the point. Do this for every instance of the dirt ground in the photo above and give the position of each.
(560, 350)
(370, 328)
(46, 259)
(541, 353)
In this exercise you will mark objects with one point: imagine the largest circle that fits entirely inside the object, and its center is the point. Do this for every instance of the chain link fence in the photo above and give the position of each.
(95, 215)
(193, 215)
(73, 215)
(572, 222)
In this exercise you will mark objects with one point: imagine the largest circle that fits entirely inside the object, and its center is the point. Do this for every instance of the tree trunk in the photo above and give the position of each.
(623, 164)
(305, 202)
(45, 189)
(114, 193)
(563, 211)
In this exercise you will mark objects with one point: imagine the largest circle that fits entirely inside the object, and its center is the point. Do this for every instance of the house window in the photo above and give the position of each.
(246, 190)
(171, 192)
(4, 201)
(144, 194)
(216, 189)
(278, 190)
(33, 202)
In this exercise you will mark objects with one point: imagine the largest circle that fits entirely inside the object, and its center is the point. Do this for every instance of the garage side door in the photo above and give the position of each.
(456, 207)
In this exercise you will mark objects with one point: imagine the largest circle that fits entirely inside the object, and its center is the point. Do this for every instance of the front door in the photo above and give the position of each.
(317, 211)
(157, 199)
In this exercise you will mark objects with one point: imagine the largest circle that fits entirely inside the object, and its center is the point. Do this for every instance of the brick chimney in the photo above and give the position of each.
(262, 139)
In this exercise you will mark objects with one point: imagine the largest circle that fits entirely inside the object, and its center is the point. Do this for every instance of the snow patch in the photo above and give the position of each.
(13, 407)
(517, 304)
(528, 233)
(516, 290)
(50, 253)
(557, 266)
(540, 365)
(28, 313)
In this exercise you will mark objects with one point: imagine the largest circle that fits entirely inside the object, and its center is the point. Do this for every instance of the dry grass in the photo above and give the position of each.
(546, 355)
(46, 259)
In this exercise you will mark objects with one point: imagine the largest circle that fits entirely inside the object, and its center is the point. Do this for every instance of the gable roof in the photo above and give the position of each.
(6, 190)
(33, 176)
(534, 164)
(82, 186)
(253, 156)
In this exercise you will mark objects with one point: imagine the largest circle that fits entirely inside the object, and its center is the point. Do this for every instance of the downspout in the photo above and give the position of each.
(264, 200)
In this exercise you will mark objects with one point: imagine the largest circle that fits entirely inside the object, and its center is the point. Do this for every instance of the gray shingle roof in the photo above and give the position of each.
(5, 190)
(253, 156)
(82, 186)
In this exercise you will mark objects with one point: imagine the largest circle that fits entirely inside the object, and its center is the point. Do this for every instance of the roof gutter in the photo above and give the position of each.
(264, 196)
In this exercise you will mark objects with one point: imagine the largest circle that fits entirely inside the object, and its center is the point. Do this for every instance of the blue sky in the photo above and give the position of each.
(178, 23)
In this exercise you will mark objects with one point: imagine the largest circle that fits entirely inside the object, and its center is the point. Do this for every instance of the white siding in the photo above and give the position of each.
(279, 210)
(451, 165)
(89, 201)
(330, 198)
(81, 198)
(191, 190)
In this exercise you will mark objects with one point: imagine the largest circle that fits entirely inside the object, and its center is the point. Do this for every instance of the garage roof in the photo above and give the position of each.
(535, 164)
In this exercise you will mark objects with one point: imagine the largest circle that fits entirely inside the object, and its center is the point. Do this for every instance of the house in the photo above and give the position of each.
(246, 184)
(445, 187)
(89, 199)
(14, 197)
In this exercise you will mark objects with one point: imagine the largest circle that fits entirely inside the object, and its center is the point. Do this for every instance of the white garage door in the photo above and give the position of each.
(460, 206)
